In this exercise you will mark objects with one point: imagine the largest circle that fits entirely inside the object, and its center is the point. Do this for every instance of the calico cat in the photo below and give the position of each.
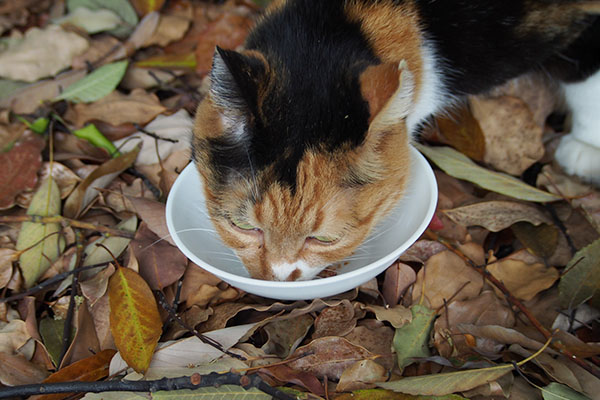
(302, 141)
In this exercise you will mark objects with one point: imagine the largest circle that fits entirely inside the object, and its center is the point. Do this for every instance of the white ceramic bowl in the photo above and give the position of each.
(192, 231)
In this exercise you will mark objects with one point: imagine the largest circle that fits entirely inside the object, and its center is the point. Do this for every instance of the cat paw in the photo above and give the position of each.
(579, 158)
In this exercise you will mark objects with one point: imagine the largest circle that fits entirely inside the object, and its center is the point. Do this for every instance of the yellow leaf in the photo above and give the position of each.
(134, 320)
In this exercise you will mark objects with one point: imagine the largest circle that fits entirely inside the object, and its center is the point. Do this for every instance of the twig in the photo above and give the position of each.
(58, 219)
(49, 282)
(154, 135)
(168, 384)
(516, 303)
(153, 189)
(205, 339)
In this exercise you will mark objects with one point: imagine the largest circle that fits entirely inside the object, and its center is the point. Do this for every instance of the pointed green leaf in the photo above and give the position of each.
(38, 126)
(95, 137)
(557, 391)
(581, 281)
(460, 166)
(38, 257)
(380, 394)
(411, 340)
(96, 85)
(447, 383)
(52, 335)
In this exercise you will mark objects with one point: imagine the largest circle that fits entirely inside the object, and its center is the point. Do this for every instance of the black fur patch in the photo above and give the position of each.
(317, 56)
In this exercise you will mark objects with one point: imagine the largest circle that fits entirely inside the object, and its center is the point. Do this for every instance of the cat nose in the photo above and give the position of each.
(284, 271)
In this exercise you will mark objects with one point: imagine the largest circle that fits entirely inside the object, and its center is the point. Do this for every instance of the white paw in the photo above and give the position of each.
(579, 158)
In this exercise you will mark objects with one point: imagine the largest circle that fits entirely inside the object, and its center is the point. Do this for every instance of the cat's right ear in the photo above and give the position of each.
(235, 81)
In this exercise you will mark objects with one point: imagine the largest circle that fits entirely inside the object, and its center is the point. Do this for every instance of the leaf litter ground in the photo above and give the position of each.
(92, 286)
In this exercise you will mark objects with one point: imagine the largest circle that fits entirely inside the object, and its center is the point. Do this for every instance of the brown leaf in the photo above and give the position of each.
(486, 309)
(462, 131)
(85, 342)
(16, 370)
(540, 240)
(397, 316)
(139, 107)
(134, 319)
(7, 256)
(89, 369)
(523, 280)
(93, 289)
(445, 276)
(161, 264)
(497, 215)
(361, 375)
(335, 321)
(286, 374)
(85, 191)
(285, 335)
(19, 168)
(228, 31)
(376, 338)
(397, 279)
(153, 214)
(172, 26)
(422, 250)
(513, 140)
(13, 336)
(328, 356)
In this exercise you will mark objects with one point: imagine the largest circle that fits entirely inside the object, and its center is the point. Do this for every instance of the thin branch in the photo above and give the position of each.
(58, 219)
(167, 384)
(205, 339)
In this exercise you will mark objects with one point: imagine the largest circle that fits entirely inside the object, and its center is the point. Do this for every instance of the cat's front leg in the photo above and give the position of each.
(579, 152)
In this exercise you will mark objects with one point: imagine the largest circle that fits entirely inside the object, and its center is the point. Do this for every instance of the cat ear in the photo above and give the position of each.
(388, 89)
(235, 79)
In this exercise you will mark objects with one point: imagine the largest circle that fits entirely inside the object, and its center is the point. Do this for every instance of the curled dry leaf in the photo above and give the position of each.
(171, 27)
(338, 320)
(397, 279)
(377, 338)
(41, 53)
(462, 131)
(139, 107)
(19, 168)
(286, 334)
(523, 280)
(361, 375)
(161, 264)
(328, 356)
(16, 370)
(134, 320)
(7, 257)
(446, 276)
(171, 134)
(513, 139)
(286, 374)
(486, 309)
(497, 215)
(397, 316)
(13, 336)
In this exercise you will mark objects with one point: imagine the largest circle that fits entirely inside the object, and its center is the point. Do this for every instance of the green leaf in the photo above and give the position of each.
(225, 392)
(581, 281)
(38, 126)
(557, 391)
(96, 85)
(411, 340)
(120, 7)
(42, 241)
(51, 331)
(460, 166)
(95, 137)
(447, 383)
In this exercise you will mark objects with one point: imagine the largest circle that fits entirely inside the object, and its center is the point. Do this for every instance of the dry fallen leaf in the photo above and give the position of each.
(40, 53)
(497, 215)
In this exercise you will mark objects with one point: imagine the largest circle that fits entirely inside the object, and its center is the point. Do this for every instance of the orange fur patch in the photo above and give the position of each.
(377, 84)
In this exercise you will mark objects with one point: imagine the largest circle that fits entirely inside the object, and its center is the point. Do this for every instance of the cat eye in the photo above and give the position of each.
(245, 226)
(324, 239)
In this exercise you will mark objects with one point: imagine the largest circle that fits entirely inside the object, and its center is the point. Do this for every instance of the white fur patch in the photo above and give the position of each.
(282, 271)
(579, 152)
(432, 96)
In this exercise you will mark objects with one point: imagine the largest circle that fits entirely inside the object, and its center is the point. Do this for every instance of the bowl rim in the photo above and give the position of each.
(389, 258)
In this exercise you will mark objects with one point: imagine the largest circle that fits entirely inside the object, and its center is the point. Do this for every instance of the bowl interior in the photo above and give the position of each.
(193, 232)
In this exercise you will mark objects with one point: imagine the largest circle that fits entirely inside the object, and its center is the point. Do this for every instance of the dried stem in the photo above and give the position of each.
(58, 219)
(168, 384)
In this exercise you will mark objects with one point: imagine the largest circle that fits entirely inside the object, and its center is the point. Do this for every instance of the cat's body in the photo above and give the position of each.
(302, 142)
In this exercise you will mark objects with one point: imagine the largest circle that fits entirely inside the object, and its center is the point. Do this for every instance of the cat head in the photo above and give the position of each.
(297, 175)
